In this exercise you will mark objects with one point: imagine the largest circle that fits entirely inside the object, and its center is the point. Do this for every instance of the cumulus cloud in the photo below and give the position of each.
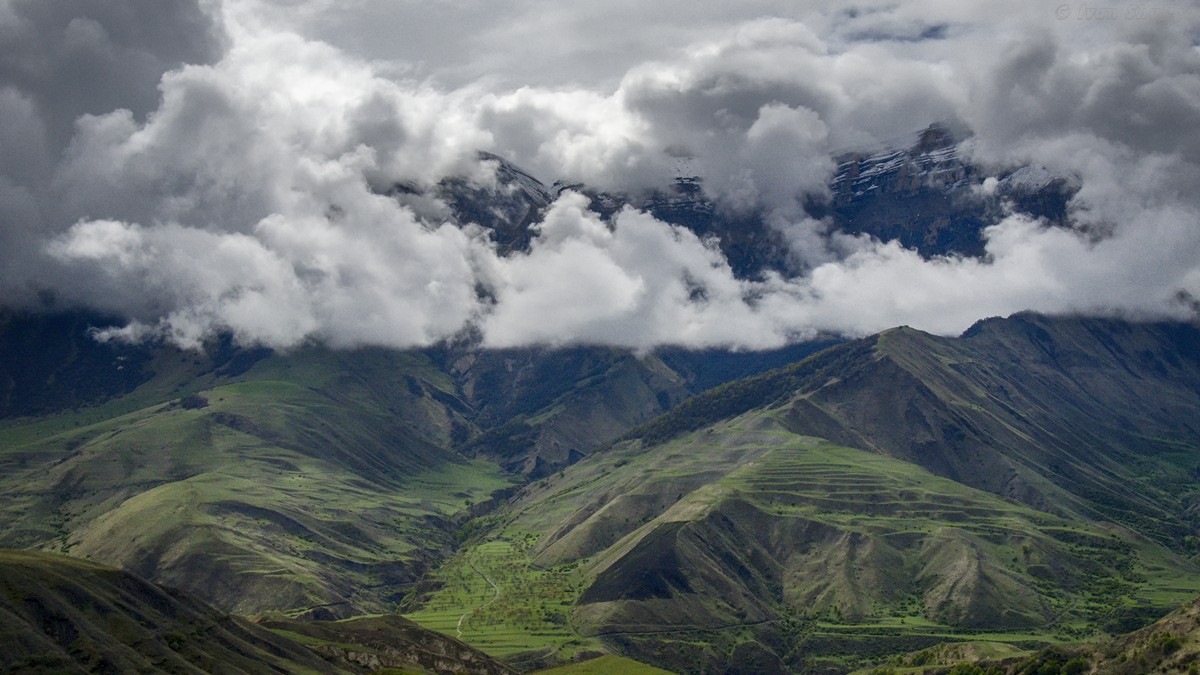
(245, 203)
(638, 284)
(224, 166)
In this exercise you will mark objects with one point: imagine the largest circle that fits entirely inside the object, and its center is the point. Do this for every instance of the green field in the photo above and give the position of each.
(605, 665)
(493, 597)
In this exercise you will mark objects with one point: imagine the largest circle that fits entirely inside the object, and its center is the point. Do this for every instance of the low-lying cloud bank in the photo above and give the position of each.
(235, 182)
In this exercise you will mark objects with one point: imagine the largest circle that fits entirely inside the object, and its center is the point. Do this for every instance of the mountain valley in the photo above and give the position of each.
(1032, 480)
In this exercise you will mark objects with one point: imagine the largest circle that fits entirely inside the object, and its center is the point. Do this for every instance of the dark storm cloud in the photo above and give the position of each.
(61, 61)
(70, 58)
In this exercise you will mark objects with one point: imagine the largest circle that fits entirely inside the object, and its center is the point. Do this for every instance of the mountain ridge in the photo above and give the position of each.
(820, 407)
(890, 491)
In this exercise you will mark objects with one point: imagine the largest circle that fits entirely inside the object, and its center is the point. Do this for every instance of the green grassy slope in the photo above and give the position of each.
(318, 480)
(544, 409)
(1089, 417)
(1171, 644)
(1027, 483)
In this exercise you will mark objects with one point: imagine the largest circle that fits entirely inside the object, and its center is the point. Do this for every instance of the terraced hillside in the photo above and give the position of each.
(745, 538)
(1092, 418)
(1000, 486)
(495, 598)
(1030, 482)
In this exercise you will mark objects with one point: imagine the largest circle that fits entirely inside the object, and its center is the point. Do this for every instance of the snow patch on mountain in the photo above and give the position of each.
(1032, 179)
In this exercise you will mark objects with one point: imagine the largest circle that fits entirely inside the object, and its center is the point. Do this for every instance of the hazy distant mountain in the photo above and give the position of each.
(923, 193)
(932, 199)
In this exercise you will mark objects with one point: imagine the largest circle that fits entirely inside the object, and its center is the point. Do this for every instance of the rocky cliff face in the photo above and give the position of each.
(933, 163)
(932, 198)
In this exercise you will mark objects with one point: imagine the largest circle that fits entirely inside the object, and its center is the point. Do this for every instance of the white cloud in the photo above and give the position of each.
(640, 284)
(228, 178)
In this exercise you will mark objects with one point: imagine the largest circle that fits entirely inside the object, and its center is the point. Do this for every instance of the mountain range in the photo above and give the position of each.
(832, 505)
(1034, 476)
(928, 196)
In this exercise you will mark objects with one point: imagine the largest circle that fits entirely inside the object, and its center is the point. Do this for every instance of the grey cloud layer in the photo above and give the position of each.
(240, 195)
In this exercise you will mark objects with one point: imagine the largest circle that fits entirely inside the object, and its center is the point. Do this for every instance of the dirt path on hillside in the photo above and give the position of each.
(495, 597)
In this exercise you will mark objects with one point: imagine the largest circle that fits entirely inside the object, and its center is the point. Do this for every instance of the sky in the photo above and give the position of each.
(196, 167)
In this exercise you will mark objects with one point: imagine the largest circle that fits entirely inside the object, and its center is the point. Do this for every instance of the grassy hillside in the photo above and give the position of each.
(1027, 484)
(1087, 417)
(1171, 644)
(314, 481)
(1091, 416)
